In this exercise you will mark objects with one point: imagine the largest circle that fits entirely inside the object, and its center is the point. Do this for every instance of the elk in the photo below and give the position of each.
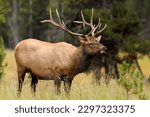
(58, 61)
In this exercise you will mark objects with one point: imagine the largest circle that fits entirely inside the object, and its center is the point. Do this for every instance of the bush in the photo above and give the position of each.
(131, 80)
(2, 55)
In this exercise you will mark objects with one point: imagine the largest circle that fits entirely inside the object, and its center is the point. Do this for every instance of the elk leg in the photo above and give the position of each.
(97, 73)
(57, 84)
(34, 82)
(67, 86)
(21, 75)
(116, 72)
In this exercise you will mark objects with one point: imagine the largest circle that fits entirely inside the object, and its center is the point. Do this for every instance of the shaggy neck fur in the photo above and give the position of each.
(80, 61)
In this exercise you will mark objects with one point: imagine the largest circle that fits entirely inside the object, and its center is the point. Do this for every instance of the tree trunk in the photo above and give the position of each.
(30, 18)
(13, 24)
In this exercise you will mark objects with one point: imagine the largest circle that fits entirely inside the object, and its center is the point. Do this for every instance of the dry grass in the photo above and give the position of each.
(82, 86)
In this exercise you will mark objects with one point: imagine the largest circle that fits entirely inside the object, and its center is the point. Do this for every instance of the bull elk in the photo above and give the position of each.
(58, 61)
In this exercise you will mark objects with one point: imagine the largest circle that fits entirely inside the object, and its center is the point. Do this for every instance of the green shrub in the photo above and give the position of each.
(131, 80)
(2, 55)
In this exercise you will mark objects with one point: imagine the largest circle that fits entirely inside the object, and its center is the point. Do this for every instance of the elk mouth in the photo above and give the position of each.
(103, 50)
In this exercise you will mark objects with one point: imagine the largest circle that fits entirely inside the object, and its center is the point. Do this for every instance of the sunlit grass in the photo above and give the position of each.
(145, 66)
(82, 86)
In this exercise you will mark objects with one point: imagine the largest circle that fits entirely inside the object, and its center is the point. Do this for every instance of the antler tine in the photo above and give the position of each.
(51, 20)
(101, 29)
(61, 24)
(58, 16)
(83, 19)
(70, 32)
(99, 23)
(91, 22)
(50, 14)
(95, 28)
(78, 22)
(91, 32)
(85, 22)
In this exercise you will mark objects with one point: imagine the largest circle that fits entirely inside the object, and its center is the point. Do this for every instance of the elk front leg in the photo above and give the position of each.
(34, 82)
(67, 86)
(97, 73)
(57, 84)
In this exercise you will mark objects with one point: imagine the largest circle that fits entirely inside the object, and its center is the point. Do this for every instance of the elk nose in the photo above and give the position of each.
(103, 49)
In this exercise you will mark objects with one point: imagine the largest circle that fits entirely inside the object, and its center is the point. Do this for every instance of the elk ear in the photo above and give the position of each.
(82, 40)
(98, 38)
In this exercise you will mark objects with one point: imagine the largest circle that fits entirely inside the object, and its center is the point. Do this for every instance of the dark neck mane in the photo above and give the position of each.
(80, 61)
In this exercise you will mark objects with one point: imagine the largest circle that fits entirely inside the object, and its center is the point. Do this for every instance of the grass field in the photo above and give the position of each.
(82, 86)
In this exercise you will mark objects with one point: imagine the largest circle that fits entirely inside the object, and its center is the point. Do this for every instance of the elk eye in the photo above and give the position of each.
(90, 44)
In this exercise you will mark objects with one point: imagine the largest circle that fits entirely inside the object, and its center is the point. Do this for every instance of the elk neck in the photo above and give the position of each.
(80, 61)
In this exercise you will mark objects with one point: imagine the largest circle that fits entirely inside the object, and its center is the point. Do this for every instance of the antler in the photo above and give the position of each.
(61, 24)
(95, 30)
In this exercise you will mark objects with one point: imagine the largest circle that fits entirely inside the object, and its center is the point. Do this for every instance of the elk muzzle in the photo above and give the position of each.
(103, 49)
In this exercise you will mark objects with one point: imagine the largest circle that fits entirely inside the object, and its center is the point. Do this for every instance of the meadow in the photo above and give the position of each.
(82, 88)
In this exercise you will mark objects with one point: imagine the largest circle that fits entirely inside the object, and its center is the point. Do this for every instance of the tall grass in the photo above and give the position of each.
(82, 87)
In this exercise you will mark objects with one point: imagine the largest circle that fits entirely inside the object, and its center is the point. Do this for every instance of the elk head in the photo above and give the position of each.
(90, 41)
(91, 45)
